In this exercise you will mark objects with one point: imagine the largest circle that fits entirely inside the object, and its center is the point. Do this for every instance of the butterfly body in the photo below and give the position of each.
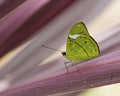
(80, 45)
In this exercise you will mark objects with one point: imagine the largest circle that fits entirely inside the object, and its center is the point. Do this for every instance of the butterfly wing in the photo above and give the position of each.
(82, 47)
(79, 28)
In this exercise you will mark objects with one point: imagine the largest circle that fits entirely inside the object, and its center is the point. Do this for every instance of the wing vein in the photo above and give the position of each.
(79, 45)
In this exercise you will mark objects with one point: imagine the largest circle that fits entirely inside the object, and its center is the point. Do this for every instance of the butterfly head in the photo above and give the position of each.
(64, 53)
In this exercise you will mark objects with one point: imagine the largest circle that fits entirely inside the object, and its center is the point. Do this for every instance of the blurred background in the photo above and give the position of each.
(28, 24)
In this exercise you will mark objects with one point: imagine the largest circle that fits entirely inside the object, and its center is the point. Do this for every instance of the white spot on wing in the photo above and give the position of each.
(74, 36)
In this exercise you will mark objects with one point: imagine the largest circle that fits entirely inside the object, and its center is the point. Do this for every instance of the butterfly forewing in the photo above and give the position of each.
(79, 28)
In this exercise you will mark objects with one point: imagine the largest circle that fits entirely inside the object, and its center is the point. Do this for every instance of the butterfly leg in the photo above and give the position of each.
(111, 77)
(73, 63)
(65, 63)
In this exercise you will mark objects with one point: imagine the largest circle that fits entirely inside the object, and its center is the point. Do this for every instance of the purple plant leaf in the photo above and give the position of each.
(26, 20)
(100, 71)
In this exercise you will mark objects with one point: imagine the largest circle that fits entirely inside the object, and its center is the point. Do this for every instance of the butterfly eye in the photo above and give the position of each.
(64, 53)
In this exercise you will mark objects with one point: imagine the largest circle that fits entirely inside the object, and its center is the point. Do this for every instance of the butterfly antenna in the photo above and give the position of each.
(50, 48)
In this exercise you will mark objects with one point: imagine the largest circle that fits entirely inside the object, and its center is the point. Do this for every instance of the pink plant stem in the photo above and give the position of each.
(97, 72)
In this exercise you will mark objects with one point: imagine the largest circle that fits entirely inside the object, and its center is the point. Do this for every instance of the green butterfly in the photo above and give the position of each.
(80, 45)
